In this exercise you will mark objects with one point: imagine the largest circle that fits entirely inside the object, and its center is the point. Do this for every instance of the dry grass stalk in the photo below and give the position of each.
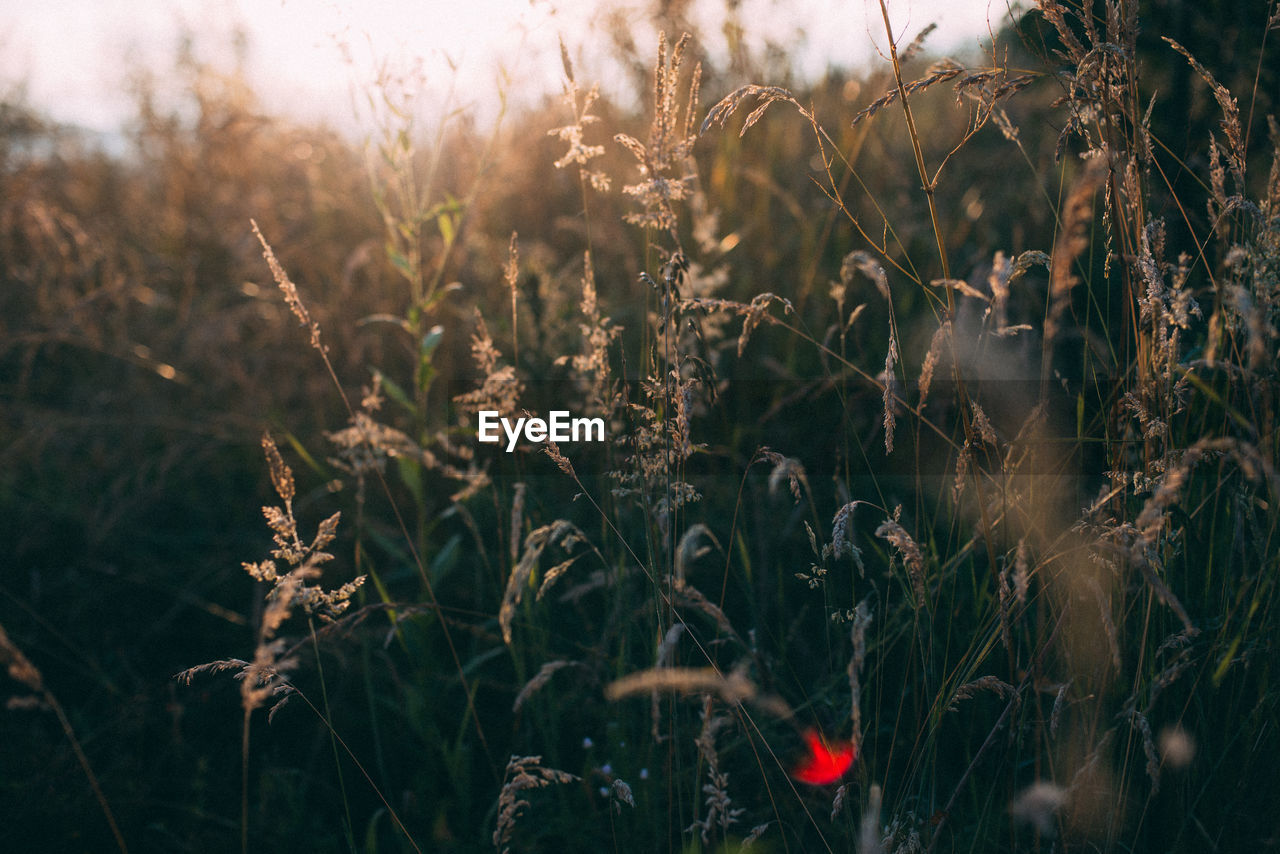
(720, 810)
(598, 332)
(1059, 703)
(732, 689)
(689, 550)
(670, 143)
(579, 153)
(1162, 591)
(539, 680)
(1146, 531)
(1181, 662)
(1108, 624)
(757, 311)
(1165, 311)
(557, 456)
(728, 105)
(552, 575)
(858, 635)
(982, 425)
(364, 446)
(524, 774)
(1230, 114)
(559, 531)
(290, 291)
(964, 461)
(916, 45)
(754, 312)
(889, 381)
(909, 551)
(681, 428)
(866, 264)
(998, 281)
(265, 678)
(939, 72)
(500, 389)
(903, 834)
(517, 518)
(1073, 241)
(1140, 723)
(1004, 594)
(756, 832)
(667, 647)
(511, 275)
(842, 536)
(1011, 590)
(837, 801)
(941, 337)
(961, 287)
(664, 656)
(786, 468)
(688, 595)
(1021, 575)
(19, 666)
(969, 690)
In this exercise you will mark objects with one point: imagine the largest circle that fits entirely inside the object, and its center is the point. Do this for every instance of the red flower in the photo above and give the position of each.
(826, 763)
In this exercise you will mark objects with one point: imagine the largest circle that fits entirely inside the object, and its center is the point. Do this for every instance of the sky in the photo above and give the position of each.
(310, 59)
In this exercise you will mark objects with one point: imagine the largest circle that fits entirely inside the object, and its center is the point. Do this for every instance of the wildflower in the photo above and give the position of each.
(826, 762)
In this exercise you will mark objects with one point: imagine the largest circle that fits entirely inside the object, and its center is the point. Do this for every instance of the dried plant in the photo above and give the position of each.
(733, 689)
(560, 532)
(664, 160)
(580, 153)
(842, 535)
(897, 536)
(985, 683)
(524, 774)
(858, 635)
(539, 681)
(721, 813)
(500, 389)
(266, 678)
(290, 291)
(598, 334)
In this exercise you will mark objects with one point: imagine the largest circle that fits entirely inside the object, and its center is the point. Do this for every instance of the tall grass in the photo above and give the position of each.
(941, 429)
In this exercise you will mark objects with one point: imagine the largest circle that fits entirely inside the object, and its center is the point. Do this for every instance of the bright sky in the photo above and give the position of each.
(75, 57)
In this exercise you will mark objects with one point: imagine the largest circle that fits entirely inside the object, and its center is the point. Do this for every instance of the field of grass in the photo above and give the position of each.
(936, 510)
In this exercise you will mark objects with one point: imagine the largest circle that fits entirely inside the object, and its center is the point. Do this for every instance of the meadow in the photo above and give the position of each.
(936, 509)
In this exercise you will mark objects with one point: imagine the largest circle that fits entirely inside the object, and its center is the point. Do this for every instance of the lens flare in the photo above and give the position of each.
(826, 762)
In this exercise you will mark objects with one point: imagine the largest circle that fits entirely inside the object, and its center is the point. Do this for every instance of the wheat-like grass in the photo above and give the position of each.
(907, 548)
(721, 813)
(524, 774)
(561, 532)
